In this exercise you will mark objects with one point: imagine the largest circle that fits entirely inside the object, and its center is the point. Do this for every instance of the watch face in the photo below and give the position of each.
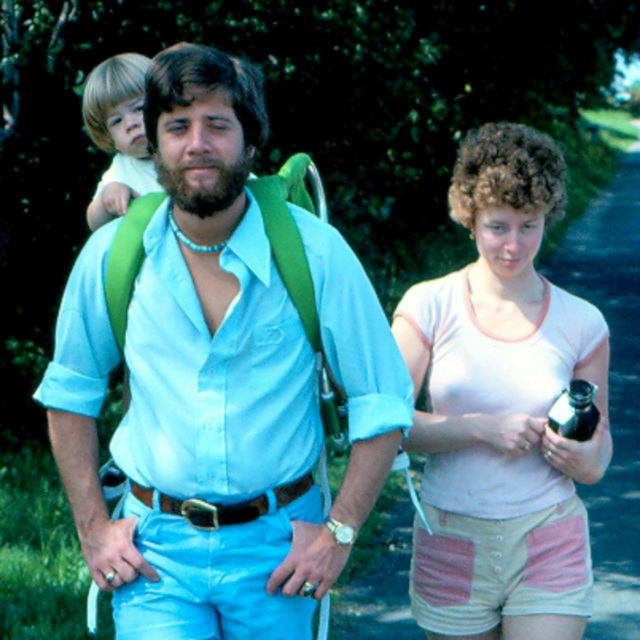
(345, 534)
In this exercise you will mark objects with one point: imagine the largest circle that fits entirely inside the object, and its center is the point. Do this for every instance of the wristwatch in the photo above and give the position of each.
(342, 533)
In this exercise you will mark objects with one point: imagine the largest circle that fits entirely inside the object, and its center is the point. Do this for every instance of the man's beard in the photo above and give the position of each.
(205, 202)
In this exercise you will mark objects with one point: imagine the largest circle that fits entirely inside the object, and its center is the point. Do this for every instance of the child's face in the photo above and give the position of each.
(126, 128)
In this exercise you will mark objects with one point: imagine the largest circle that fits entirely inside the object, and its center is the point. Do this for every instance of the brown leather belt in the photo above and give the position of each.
(205, 515)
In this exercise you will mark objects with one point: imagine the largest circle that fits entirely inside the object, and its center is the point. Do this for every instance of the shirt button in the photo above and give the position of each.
(498, 570)
(211, 372)
(499, 538)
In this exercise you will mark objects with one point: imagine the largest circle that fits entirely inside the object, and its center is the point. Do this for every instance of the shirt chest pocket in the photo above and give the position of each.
(277, 342)
(272, 335)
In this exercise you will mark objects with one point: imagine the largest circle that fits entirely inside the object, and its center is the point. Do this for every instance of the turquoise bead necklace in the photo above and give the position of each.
(198, 248)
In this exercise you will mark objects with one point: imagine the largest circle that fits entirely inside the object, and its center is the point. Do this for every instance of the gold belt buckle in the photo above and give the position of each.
(190, 508)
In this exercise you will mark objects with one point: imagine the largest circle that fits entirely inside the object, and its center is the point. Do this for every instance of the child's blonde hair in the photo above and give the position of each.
(113, 81)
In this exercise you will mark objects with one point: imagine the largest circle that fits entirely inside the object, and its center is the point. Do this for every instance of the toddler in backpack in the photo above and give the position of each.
(112, 110)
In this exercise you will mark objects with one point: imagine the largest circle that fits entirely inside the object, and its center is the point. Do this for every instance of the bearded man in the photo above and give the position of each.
(222, 534)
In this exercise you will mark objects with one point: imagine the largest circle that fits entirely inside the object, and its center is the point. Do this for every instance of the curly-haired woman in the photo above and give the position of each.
(493, 345)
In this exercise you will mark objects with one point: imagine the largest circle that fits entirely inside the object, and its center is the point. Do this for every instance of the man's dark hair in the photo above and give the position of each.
(179, 71)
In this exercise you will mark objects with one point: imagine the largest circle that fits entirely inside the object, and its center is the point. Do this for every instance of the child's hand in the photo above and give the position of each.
(115, 198)
(112, 201)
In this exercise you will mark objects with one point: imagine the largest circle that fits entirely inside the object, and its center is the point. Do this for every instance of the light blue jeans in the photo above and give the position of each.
(213, 583)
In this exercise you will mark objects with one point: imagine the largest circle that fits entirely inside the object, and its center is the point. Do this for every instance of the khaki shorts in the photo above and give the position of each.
(473, 572)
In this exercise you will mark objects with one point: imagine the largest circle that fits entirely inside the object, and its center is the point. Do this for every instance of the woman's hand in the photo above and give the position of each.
(585, 462)
(513, 435)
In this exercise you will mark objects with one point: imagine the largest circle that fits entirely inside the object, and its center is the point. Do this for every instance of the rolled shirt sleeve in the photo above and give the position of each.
(77, 379)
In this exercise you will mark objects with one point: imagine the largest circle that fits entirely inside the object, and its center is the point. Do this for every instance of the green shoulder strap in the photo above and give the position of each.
(125, 258)
(271, 194)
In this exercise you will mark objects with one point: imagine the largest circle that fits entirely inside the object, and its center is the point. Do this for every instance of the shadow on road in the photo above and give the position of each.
(600, 260)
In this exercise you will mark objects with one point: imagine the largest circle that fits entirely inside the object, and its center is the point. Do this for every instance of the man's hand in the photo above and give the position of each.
(111, 556)
(315, 558)
(107, 545)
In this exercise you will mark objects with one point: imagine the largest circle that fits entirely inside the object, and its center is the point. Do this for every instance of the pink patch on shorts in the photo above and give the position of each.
(443, 569)
(556, 556)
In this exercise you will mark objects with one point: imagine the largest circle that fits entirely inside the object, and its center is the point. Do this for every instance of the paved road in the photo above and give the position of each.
(598, 260)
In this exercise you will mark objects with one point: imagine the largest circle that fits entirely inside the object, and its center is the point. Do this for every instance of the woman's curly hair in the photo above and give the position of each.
(507, 164)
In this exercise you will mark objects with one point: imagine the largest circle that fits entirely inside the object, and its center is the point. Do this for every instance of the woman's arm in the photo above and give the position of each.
(432, 433)
(588, 461)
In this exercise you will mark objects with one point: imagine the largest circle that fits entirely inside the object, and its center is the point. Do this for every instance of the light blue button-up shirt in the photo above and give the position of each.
(229, 416)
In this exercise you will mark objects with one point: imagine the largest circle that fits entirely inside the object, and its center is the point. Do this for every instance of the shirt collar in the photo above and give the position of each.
(249, 241)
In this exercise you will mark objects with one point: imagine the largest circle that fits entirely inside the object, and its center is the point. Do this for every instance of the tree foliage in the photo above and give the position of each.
(377, 91)
(634, 101)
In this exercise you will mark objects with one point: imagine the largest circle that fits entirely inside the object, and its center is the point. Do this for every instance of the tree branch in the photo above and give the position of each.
(67, 14)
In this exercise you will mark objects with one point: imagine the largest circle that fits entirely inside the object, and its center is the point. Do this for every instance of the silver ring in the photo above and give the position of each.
(308, 589)
(548, 454)
(110, 577)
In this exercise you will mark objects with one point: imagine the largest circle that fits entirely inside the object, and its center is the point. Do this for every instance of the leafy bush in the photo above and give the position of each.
(378, 92)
